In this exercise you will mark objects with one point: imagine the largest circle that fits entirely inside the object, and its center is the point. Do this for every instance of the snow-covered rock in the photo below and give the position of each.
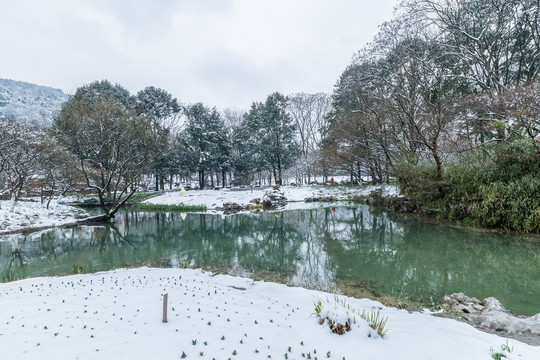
(273, 197)
(491, 314)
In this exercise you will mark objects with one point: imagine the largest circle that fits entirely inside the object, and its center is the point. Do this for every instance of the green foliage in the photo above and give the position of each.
(498, 186)
(8, 275)
(514, 205)
(418, 179)
(266, 136)
(204, 145)
(500, 355)
(11, 275)
(376, 321)
(79, 269)
(165, 207)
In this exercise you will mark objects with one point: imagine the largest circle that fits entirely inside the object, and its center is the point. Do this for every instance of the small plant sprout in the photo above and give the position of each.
(506, 348)
(194, 342)
(330, 312)
(376, 321)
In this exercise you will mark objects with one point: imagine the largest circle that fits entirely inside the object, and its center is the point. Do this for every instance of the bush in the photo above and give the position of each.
(514, 205)
(498, 186)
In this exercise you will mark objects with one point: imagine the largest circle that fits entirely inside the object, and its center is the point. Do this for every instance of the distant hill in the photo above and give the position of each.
(29, 102)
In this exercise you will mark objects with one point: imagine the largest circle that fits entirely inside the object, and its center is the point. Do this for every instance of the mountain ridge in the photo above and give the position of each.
(28, 102)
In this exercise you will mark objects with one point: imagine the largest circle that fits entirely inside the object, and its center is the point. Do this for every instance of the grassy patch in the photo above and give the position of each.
(165, 207)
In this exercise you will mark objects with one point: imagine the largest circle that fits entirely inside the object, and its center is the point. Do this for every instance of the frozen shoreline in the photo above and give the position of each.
(117, 314)
(295, 195)
(31, 214)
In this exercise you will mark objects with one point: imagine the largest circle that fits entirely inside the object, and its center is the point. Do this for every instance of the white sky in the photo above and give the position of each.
(224, 53)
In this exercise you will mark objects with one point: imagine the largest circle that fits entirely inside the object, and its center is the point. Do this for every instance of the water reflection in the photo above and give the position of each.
(315, 248)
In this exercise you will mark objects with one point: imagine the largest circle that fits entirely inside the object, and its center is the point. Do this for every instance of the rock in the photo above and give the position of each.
(321, 199)
(402, 204)
(273, 197)
(255, 201)
(491, 314)
(375, 197)
(462, 303)
(231, 206)
(253, 206)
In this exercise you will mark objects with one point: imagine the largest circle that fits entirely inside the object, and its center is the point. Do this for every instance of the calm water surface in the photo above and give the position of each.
(320, 248)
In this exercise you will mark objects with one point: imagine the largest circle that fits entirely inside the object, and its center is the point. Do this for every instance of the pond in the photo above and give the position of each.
(346, 248)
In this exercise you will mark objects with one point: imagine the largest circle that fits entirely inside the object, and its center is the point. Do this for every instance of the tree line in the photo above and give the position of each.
(445, 100)
(109, 142)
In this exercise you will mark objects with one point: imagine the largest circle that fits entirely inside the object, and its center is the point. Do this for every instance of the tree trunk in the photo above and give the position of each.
(279, 172)
(223, 177)
(201, 179)
(13, 201)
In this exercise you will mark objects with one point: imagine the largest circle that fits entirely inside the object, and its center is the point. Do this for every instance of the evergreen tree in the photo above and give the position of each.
(269, 133)
(162, 109)
(206, 141)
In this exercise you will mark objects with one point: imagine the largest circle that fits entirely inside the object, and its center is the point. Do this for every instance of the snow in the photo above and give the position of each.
(29, 102)
(30, 213)
(295, 195)
(118, 315)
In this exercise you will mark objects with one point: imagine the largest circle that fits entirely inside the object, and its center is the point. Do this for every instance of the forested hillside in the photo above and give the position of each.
(29, 102)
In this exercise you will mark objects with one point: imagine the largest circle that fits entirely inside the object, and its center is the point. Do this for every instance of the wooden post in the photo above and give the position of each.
(165, 307)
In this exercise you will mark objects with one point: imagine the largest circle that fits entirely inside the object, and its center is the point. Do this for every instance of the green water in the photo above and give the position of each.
(320, 248)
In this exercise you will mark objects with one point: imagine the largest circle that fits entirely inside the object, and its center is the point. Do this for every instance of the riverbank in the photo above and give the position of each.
(32, 215)
(118, 314)
(213, 200)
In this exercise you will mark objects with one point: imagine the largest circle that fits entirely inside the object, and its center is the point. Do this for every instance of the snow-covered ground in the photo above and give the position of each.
(30, 213)
(295, 195)
(118, 315)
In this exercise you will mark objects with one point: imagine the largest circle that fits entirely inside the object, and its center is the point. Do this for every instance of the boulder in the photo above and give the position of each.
(375, 197)
(273, 197)
(228, 206)
(492, 315)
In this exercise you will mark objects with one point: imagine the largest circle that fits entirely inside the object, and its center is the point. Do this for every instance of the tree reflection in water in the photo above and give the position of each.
(318, 248)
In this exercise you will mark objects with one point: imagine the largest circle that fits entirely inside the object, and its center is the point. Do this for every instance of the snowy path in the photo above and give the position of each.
(117, 315)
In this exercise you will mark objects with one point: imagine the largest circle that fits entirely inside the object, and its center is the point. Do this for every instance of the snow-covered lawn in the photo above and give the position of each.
(118, 315)
(295, 195)
(32, 213)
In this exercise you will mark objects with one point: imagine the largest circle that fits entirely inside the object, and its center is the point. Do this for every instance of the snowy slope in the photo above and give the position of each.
(118, 315)
(29, 102)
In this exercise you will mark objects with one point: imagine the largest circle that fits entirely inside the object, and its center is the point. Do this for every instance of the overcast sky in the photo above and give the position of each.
(224, 53)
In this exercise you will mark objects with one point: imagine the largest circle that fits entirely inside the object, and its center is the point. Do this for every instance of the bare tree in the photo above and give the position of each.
(309, 112)
(113, 145)
(21, 146)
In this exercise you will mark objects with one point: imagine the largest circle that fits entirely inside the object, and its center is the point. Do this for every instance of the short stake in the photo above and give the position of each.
(165, 307)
